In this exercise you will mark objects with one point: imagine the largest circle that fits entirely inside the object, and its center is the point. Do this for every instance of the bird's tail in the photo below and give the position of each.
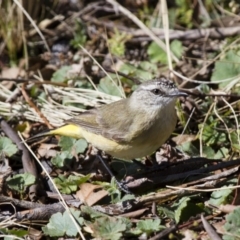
(68, 130)
(43, 134)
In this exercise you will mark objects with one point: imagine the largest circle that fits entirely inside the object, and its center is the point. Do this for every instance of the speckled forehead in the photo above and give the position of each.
(162, 82)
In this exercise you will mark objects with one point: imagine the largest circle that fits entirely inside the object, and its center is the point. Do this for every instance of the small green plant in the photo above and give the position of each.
(117, 42)
(7, 148)
(20, 181)
(109, 86)
(14, 232)
(185, 208)
(184, 12)
(80, 36)
(108, 228)
(70, 184)
(228, 68)
(157, 54)
(61, 75)
(149, 226)
(232, 225)
(70, 147)
(61, 225)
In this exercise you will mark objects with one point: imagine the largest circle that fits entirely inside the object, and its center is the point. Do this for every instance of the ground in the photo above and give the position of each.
(61, 58)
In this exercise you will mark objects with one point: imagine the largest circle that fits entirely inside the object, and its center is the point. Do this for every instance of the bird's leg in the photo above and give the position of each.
(121, 185)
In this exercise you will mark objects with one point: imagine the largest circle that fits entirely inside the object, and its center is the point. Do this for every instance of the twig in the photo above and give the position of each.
(210, 180)
(209, 229)
(140, 35)
(37, 82)
(34, 106)
(164, 233)
(164, 11)
(40, 213)
(20, 203)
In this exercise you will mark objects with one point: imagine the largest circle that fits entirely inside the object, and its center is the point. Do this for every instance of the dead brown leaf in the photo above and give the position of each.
(90, 194)
(183, 138)
(47, 150)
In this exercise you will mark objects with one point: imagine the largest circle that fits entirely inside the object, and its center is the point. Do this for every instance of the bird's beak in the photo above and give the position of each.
(178, 93)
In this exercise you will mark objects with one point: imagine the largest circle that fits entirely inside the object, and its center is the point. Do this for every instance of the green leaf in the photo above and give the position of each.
(236, 147)
(92, 213)
(185, 209)
(204, 88)
(112, 189)
(70, 184)
(189, 148)
(61, 74)
(235, 142)
(80, 35)
(221, 153)
(149, 226)
(78, 180)
(70, 147)
(61, 224)
(108, 228)
(156, 54)
(117, 43)
(19, 181)
(127, 197)
(138, 72)
(80, 146)
(220, 197)
(107, 85)
(228, 67)
(184, 13)
(166, 212)
(177, 48)
(66, 143)
(61, 158)
(232, 225)
(210, 153)
(181, 205)
(15, 232)
(210, 135)
(148, 66)
(76, 214)
(7, 147)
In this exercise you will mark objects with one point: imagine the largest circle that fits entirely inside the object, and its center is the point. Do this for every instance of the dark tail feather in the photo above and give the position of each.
(47, 133)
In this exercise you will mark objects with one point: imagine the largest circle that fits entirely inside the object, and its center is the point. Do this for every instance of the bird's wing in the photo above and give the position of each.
(87, 120)
(112, 121)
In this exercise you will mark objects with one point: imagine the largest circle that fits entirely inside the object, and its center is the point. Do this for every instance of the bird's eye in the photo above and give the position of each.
(156, 91)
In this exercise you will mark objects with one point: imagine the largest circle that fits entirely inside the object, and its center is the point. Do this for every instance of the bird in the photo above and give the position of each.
(130, 128)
